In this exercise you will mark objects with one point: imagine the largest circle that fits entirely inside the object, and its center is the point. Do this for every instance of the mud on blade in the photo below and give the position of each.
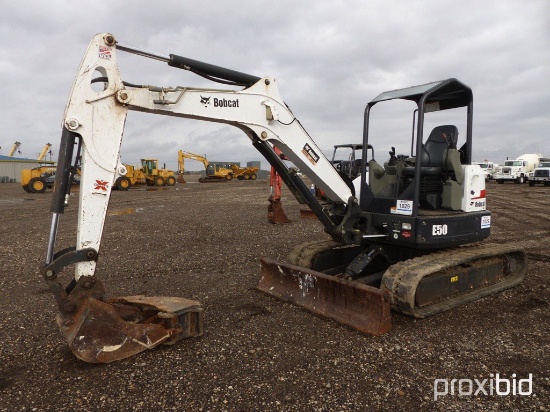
(362, 307)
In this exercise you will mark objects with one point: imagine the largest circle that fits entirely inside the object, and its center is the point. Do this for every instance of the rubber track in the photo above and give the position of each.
(303, 254)
(402, 279)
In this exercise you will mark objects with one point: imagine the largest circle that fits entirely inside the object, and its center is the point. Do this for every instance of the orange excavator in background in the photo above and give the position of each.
(275, 212)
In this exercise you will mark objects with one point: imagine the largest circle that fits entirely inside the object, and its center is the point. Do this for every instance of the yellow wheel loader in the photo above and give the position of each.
(155, 176)
(35, 180)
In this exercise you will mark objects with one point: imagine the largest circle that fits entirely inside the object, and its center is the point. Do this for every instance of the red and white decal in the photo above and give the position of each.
(105, 53)
(101, 186)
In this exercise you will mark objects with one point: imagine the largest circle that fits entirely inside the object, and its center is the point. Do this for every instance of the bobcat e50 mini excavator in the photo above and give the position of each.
(397, 242)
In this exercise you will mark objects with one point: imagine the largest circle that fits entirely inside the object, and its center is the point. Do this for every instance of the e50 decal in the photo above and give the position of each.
(439, 230)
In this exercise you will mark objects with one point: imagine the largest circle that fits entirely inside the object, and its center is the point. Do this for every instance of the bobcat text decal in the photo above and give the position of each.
(220, 102)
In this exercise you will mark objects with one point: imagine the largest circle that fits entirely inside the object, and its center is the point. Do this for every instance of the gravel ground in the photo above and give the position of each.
(203, 241)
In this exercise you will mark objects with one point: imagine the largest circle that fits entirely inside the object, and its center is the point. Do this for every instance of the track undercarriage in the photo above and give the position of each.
(209, 179)
(419, 286)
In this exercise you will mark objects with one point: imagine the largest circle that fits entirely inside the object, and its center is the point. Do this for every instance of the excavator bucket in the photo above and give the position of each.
(362, 307)
(103, 331)
(275, 212)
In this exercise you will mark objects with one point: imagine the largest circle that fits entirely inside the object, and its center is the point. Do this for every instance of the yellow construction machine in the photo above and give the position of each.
(182, 155)
(147, 174)
(44, 151)
(216, 172)
(37, 180)
(14, 149)
(155, 176)
(245, 173)
(133, 176)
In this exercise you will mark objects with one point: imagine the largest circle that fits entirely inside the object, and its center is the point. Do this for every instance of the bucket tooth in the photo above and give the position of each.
(362, 307)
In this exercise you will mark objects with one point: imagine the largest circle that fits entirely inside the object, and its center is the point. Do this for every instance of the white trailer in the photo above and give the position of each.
(489, 168)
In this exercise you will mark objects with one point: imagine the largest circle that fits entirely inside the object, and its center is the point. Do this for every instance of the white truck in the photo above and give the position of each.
(489, 168)
(541, 174)
(518, 170)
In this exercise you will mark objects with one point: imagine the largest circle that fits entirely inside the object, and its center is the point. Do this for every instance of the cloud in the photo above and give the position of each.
(330, 60)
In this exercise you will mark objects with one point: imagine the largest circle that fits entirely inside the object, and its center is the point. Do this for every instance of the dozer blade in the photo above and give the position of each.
(307, 214)
(362, 307)
(99, 331)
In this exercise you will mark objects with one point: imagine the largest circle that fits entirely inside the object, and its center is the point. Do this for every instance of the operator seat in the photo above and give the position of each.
(355, 168)
(439, 162)
(434, 151)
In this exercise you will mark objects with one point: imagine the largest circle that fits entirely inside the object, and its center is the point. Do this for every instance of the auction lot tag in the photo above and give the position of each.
(403, 207)
(485, 222)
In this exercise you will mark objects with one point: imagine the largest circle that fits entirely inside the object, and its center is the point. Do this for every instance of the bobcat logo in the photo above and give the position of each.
(205, 100)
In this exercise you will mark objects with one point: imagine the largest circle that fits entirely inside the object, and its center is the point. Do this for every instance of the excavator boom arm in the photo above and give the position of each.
(187, 155)
(44, 151)
(97, 118)
(14, 149)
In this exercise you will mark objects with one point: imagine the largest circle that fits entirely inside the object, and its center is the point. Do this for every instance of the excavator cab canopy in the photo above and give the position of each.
(430, 97)
(346, 158)
(448, 94)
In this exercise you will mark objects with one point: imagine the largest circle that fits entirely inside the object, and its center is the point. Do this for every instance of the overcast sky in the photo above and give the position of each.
(330, 59)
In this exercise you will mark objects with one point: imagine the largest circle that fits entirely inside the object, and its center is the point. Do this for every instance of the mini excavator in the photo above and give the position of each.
(406, 236)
